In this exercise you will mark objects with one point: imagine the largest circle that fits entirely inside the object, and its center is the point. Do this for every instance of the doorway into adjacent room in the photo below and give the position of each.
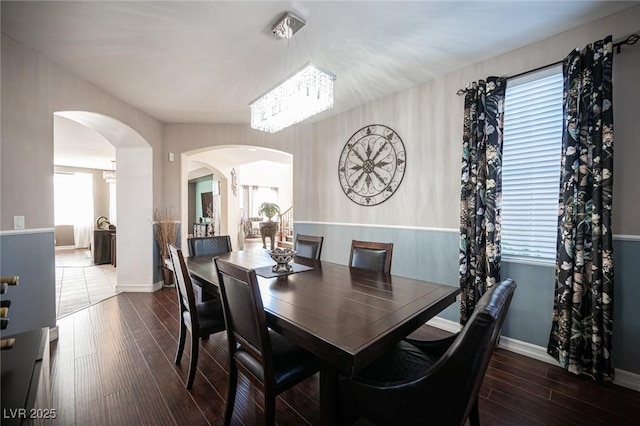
(80, 192)
(243, 178)
(91, 143)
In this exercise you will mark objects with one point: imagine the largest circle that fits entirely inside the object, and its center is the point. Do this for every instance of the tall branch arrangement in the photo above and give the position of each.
(166, 230)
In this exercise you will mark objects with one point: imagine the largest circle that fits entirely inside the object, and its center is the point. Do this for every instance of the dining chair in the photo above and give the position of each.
(371, 255)
(268, 359)
(308, 246)
(435, 381)
(207, 246)
(199, 319)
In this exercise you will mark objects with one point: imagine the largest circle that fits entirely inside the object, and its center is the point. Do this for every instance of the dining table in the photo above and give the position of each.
(346, 316)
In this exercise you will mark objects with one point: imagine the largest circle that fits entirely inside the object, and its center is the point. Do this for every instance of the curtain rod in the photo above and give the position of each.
(630, 40)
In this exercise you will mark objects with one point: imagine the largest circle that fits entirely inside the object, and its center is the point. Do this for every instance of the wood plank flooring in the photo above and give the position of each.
(113, 365)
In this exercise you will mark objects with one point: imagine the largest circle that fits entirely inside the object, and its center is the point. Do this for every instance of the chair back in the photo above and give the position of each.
(453, 382)
(243, 311)
(438, 381)
(463, 366)
(209, 246)
(186, 297)
(371, 255)
(309, 246)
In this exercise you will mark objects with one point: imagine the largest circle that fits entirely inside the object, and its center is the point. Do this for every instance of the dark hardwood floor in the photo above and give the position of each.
(113, 365)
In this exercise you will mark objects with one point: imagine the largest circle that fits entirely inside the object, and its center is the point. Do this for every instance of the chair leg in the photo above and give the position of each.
(193, 364)
(474, 415)
(269, 408)
(231, 393)
(181, 340)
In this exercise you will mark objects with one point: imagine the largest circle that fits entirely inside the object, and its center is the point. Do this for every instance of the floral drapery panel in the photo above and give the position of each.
(481, 191)
(582, 327)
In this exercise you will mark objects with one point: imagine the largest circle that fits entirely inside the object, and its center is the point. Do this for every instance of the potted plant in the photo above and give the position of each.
(269, 228)
(269, 210)
(166, 233)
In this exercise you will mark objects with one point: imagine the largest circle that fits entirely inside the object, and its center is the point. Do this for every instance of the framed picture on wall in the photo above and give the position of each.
(207, 204)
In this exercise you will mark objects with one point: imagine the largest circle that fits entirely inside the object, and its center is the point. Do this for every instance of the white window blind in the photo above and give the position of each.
(532, 143)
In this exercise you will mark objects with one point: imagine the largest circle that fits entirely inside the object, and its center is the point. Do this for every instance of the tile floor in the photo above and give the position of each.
(80, 283)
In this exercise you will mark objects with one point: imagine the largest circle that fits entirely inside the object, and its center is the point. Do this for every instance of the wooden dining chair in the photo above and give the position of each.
(266, 358)
(371, 255)
(199, 319)
(435, 381)
(308, 246)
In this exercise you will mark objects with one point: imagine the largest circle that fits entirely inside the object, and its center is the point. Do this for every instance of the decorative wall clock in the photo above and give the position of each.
(372, 165)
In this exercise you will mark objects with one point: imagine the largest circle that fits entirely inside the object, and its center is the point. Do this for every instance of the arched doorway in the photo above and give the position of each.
(227, 162)
(134, 189)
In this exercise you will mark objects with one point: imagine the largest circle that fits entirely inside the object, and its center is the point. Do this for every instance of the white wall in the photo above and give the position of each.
(33, 89)
(428, 118)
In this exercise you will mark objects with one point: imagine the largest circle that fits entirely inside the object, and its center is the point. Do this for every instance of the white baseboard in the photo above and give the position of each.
(627, 379)
(444, 324)
(138, 288)
(53, 333)
(623, 378)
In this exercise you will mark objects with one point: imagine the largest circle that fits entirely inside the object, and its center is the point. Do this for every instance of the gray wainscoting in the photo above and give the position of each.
(626, 327)
(432, 255)
(31, 256)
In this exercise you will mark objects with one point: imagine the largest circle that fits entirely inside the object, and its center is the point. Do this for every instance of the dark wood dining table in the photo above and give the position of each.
(347, 317)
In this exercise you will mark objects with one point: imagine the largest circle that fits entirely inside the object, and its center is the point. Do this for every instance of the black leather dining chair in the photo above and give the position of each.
(308, 246)
(266, 358)
(199, 319)
(371, 255)
(430, 382)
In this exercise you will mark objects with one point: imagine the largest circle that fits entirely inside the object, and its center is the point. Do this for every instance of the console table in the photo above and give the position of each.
(102, 246)
(26, 386)
(268, 230)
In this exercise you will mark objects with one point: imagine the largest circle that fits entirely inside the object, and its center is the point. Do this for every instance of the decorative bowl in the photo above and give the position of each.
(282, 257)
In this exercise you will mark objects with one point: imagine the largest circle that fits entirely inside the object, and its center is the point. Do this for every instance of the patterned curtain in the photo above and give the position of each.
(582, 326)
(481, 191)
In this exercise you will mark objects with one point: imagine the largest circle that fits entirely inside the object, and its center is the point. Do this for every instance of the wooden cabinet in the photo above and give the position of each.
(26, 386)
(103, 241)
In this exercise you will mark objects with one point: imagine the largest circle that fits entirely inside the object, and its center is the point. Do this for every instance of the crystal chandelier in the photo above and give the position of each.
(306, 92)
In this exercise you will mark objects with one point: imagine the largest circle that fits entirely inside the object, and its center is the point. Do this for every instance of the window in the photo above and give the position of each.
(532, 142)
(263, 194)
(73, 199)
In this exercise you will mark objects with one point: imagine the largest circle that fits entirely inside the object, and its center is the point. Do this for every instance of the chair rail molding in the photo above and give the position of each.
(26, 231)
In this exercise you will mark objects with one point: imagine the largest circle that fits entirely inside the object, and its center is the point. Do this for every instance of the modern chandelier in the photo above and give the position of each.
(304, 93)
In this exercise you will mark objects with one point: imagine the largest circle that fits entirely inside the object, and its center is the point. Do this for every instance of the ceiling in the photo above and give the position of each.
(204, 61)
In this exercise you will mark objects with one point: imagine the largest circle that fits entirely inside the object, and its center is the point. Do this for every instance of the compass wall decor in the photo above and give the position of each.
(372, 165)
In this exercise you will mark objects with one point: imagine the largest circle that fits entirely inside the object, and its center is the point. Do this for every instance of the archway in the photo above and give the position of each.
(223, 160)
(134, 198)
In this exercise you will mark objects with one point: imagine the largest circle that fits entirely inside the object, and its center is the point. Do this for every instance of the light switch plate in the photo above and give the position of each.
(18, 222)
